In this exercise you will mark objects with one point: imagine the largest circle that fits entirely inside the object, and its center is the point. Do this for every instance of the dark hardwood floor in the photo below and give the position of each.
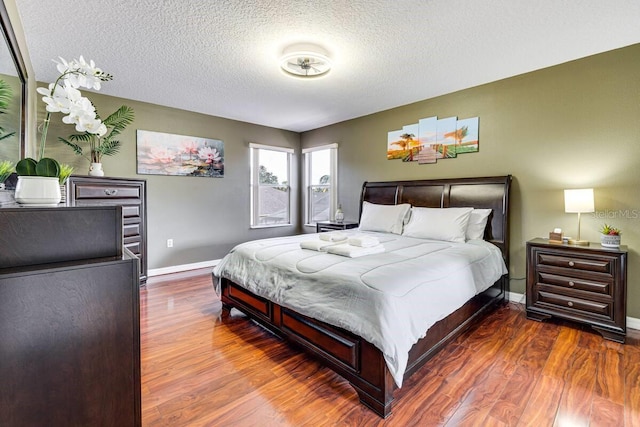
(203, 367)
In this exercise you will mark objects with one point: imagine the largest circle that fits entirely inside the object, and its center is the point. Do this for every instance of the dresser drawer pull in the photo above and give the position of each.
(571, 284)
(110, 192)
(571, 263)
(570, 304)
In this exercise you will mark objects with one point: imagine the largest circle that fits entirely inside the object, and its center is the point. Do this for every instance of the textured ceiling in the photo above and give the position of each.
(221, 57)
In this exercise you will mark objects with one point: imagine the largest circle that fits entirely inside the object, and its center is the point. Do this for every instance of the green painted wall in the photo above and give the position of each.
(206, 217)
(570, 126)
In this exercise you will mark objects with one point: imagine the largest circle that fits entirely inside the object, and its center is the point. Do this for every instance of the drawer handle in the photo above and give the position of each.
(570, 304)
(110, 192)
(571, 263)
(571, 283)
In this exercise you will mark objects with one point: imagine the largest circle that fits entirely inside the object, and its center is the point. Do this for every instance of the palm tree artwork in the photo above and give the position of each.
(438, 139)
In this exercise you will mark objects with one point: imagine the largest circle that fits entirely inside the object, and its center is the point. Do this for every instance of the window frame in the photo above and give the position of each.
(333, 181)
(254, 156)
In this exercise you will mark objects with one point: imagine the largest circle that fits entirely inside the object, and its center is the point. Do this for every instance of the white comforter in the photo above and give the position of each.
(390, 299)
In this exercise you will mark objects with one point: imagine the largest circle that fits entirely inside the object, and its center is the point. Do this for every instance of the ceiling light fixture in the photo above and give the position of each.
(305, 61)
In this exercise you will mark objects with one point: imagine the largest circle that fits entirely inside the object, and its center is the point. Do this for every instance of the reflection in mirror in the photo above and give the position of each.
(12, 93)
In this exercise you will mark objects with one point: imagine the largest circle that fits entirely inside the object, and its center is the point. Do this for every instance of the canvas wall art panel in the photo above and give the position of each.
(168, 154)
(467, 135)
(432, 139)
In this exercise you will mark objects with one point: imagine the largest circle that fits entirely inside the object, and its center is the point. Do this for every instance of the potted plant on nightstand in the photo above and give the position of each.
(610, 236)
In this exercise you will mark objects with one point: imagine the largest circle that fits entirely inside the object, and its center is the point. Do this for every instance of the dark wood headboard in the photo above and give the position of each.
(482, 193)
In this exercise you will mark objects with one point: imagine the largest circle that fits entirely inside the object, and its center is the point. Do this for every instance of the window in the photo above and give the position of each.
(320, 172)
(270, 185)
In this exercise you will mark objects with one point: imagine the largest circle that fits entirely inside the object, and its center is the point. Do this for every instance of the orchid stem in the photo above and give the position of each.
(45, 127)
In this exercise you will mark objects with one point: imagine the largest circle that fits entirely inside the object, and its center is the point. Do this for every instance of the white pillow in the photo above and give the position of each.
(477, 224)
(449, 224)
(385, 218)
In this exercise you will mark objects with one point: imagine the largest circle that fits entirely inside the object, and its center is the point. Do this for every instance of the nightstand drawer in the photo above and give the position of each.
(588, 264)
(598, 287)
(571, 303)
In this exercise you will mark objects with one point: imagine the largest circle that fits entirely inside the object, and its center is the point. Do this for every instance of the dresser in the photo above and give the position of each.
(130, 194)
(586, 284)
(69, 319)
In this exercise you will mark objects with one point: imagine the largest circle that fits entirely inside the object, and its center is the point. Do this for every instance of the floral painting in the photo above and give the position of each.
(167, 154)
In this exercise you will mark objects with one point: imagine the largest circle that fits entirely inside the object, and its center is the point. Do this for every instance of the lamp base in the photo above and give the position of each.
(579, 242)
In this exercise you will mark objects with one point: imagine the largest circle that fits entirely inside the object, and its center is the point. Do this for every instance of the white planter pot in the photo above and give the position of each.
(38, 190)
(609, 241)
(96, 169)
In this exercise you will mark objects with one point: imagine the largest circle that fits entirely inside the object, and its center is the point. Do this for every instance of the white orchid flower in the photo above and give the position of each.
(63, 96)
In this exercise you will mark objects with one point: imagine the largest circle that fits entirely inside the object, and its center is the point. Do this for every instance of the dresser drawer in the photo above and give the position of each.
(603, 287)
(131, 230)
(129, 211)
(113, 191)
(603, 265)
(577, 304)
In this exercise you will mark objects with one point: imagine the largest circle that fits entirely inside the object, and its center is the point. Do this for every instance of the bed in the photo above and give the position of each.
(355, 353)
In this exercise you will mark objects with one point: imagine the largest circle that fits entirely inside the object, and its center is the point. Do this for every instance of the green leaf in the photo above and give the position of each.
(48, 167)
(26, 167)
(120, 118)
(5, 95)
(75, 147)
(82, 137)
(109, 148)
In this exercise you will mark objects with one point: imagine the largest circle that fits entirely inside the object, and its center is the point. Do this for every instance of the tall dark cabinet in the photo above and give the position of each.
(131, 194)
(69, 319)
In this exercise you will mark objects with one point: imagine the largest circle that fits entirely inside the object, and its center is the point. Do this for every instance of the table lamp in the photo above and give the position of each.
(579, 201)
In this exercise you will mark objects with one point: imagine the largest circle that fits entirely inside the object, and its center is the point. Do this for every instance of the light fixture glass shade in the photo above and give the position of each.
(305, 60)
(579, 201)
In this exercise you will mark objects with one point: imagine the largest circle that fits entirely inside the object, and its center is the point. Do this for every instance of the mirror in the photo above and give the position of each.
(13, 93)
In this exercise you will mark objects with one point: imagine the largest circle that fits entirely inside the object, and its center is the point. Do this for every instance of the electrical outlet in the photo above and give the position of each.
(169, 243)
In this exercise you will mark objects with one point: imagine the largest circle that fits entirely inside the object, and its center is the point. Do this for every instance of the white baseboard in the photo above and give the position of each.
(180, 268)
(632, 322)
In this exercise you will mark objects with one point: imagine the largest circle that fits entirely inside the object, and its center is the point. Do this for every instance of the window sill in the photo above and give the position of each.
(270, 226)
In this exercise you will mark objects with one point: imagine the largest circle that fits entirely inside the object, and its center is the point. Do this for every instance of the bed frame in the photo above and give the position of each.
(352, 357)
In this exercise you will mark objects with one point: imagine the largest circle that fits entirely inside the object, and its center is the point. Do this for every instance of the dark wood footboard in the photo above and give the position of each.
(352, 357)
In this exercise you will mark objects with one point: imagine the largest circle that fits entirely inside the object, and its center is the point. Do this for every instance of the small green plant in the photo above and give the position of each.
(45, 167)
(609, 230)
(65, 171)
(6, 169)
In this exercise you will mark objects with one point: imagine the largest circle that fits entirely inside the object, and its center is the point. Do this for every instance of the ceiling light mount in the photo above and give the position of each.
(305, 60)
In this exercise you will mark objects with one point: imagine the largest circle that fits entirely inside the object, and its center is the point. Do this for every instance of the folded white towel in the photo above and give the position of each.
(363, 241)
(317, 245)
(333, 236)
(354, 251)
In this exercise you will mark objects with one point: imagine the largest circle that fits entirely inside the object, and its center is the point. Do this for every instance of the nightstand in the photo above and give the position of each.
(332, 225)
(586, 284)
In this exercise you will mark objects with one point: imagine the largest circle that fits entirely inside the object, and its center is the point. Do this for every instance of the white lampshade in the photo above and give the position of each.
(579, 201)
